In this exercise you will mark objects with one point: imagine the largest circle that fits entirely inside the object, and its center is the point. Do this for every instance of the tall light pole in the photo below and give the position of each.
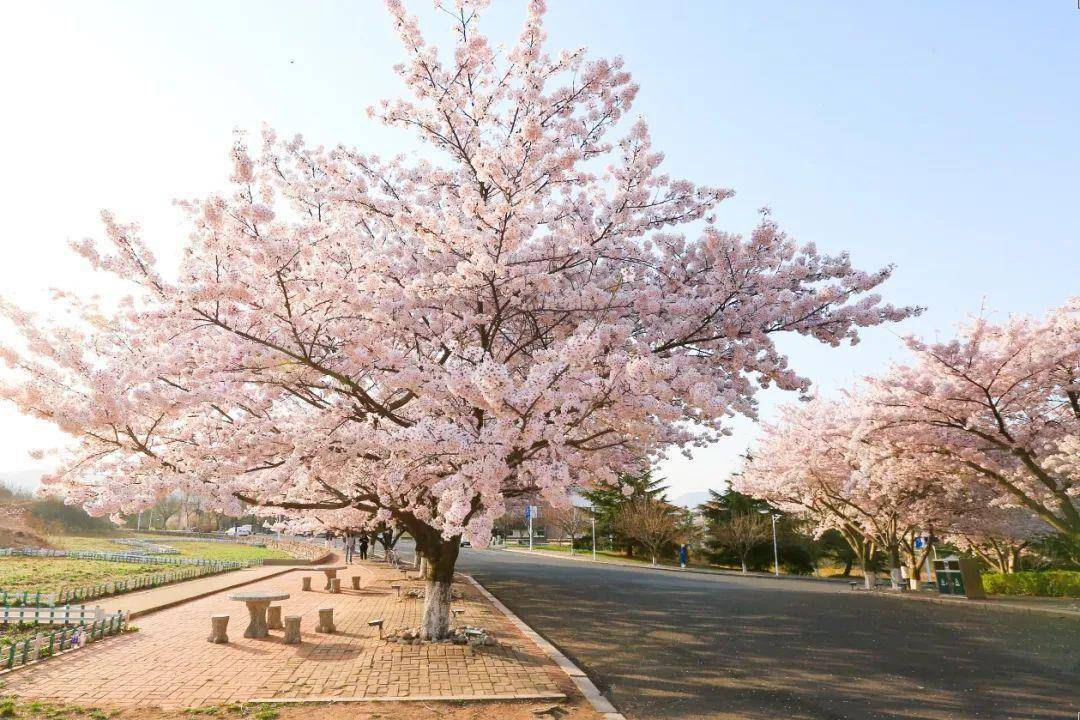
(594, 537)
(775, 549)
(573, 525)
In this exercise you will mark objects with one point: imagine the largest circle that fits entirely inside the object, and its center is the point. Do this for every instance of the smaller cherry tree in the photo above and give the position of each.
(821, 463)
(741, 533)
(653, 523)
(569, 519)
(998, 406)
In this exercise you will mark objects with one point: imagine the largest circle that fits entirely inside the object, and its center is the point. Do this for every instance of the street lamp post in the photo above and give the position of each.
(573, 525)
(594, 537)
(775, 549)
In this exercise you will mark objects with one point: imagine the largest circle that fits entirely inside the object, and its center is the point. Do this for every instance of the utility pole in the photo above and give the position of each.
(530, 511)
(573, 525)
(775, 550)
(594, 537)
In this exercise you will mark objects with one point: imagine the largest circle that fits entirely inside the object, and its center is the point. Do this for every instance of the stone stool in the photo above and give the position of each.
(355, 582)
(335, 585)
(305, 584)
(273, 618)
(218, 624)
(292, 630)
(326, 621)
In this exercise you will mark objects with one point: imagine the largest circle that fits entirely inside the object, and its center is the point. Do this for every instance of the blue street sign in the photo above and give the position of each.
(920, 543)
(528, 511)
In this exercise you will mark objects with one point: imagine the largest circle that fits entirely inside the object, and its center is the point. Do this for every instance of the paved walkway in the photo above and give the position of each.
(169, 663)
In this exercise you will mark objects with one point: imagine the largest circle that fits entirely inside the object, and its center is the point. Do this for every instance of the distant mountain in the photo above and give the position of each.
(691, 499)
(29, 480)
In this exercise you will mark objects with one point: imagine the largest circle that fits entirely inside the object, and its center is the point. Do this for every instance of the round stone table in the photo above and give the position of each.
(330, 570)
(257, 601)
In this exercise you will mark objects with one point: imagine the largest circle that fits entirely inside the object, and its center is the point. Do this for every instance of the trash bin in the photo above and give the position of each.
(958, 576)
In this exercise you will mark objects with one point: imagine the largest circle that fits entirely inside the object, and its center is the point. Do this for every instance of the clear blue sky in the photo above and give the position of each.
(943, 137)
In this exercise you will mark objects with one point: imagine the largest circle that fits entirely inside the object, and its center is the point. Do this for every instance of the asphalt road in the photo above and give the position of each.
(679, 645)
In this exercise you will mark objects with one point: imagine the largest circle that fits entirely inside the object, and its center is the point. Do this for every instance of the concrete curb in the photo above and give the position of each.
(584, 685)
(988, 604)
(299, 562)
(671, 568)
(1062, 612)
(199, 596)
(410, 698)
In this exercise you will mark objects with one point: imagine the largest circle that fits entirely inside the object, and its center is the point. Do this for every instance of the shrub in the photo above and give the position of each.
(1048, 583)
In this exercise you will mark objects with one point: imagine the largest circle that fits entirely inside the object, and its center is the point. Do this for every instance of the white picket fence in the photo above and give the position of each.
(60, 640)
(186, 569)
(55, 615)
(142, 547)
(125, 557)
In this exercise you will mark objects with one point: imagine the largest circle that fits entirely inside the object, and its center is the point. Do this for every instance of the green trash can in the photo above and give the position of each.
(958, 576)
(948, 577)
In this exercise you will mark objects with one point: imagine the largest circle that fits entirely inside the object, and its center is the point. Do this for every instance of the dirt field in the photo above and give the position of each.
(574, 710)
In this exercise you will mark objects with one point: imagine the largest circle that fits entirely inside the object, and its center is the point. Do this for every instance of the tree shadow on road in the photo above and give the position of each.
(690, 647)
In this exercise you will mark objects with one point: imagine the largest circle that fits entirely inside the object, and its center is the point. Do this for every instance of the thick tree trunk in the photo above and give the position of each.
(438, 570)
(1014, 559)
(744, 564)
(895, 577)
(847, 567)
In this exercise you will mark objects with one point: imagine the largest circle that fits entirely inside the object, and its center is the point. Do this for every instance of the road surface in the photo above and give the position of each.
(680, 645)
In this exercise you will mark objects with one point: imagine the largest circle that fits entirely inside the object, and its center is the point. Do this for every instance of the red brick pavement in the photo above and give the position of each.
(169, 663)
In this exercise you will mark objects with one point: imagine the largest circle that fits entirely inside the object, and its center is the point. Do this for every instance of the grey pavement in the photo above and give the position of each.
(680, 645)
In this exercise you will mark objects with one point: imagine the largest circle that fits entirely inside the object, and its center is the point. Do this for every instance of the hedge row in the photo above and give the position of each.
(1050, 583)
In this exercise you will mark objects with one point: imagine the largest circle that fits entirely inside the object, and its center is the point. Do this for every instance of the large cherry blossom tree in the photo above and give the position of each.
(532, 306)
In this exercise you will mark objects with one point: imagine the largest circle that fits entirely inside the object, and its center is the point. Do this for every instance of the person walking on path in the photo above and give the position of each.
(684, 552)
(363, 546)
(350, 547)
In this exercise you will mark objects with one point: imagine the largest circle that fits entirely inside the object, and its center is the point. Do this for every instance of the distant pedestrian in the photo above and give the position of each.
(684, 553)
(350, 548)
(363, 546)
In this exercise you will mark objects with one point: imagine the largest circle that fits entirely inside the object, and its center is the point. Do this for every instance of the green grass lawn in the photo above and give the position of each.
(101, 543)
(192, 549)
(50, 574)
(221, 551)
